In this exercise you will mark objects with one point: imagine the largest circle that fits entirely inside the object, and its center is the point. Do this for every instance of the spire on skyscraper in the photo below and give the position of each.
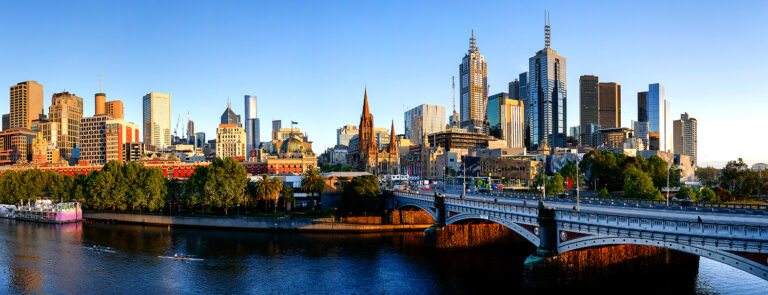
(472, 45)
(546, 29)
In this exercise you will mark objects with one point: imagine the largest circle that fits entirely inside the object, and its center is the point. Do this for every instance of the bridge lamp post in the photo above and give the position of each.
(669, 167)
(578, 203)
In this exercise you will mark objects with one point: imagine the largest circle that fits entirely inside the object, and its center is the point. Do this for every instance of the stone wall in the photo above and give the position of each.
(470, 236)
(600, 263)
(394, 217)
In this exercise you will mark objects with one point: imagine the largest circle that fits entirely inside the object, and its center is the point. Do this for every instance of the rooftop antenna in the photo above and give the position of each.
(472, 45)
(99, 82)
(453, 86)
(547, 35)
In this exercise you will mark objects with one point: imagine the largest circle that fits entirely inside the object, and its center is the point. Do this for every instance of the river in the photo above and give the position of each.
(59, 259)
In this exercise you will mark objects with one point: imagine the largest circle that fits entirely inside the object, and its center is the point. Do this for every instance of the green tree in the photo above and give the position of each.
(360, 196)
(603, 193)
(708, 195)
(312, 183)
(288, 198)
(555, 184)
(637, 184)
(268, 189)
(569, 172)
(688, 193)
(155, 189)
(707, 176)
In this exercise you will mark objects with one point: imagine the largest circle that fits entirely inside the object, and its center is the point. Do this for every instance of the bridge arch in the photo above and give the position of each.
(423, 207)
(722, 256)
(531, 237)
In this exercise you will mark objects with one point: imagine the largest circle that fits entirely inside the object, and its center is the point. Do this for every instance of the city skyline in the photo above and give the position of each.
(63, 58)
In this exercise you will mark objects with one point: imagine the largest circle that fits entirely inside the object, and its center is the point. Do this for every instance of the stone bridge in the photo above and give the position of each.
(736, 239)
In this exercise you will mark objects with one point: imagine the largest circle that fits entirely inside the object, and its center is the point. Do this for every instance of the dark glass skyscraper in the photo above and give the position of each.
(547, 97)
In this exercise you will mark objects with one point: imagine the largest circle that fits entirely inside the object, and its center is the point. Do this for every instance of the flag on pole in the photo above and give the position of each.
(294, 122)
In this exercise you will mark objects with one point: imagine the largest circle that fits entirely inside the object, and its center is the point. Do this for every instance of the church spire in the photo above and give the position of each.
(365, 103)
(392, 140)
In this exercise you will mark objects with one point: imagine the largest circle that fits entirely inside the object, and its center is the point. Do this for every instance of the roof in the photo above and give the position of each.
(345, 174)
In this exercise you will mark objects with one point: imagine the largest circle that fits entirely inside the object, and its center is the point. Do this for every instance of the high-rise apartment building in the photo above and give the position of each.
(659, 120)
(103, 138)
(610, 105)
(547, 96)
(114, 109)
(686, 137)
(251, 124)
(345, 134)
(423, 120)
(64, 116)
(589, 102)
(506, 119)
(26, 103)
(190, 129)
(157, 120)
(473, 82)
(230, 142)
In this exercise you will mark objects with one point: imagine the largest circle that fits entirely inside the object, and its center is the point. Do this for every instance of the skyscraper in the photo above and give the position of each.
(686, 137)
(642, 102)
(659, 120)
(190, 128)
(229, 117)
(473, 77)
(65, 113)
(514, 89)
(523, 78)
(276, 125)
(505, 117)
(610, 105)
(547, 96)
(251, 124)
(157, 120)
(588, 107)
(640, 131)
(423, 120)
(26, 103)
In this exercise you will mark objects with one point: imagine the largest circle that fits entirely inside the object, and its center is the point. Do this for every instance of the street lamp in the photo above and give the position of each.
(578, 203)
(238, 210)
(669, 167)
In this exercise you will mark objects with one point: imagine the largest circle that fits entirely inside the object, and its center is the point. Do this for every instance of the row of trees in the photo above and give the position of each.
(115, 187)
(734, 181)
(221, 186)
(606, 169)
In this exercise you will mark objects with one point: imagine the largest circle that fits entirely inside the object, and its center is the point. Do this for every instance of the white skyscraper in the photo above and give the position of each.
(157, 120)
(251, 124)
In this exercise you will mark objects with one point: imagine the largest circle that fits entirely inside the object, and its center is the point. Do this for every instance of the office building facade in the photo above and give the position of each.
(114, 109)
(157, 120)
(251, 124)
(659, 120)
(423, 120)
(506, 119)
(473, 81)
(345, 134)
(230, 142)
(609, 110)
(26, 102)
(64, 116)
(103, 138)
(588, 106)
(686, 137)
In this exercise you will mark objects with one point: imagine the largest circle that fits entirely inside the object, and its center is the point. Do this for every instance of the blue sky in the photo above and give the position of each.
(310, 61)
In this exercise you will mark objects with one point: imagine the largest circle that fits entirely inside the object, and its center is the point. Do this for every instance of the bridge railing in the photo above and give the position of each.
(483, 205)
(638, 203)
(706, 229)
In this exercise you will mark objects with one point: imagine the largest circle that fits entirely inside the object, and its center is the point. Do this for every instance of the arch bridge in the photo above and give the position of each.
(736, 239)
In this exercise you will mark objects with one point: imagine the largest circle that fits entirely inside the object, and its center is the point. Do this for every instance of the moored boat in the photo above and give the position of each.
(47, 211)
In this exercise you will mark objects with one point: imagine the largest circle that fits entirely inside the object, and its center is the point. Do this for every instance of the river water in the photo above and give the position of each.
(59, 259)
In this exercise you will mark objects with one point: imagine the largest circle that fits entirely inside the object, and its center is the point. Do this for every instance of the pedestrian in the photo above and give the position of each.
(699, 217)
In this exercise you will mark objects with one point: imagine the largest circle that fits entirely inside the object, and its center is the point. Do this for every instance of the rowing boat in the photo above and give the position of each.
(181, 258)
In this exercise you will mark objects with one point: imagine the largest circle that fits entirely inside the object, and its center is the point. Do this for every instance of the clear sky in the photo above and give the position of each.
(309, 61)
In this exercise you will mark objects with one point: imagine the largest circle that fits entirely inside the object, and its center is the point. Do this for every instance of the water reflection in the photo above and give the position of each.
(42, 258)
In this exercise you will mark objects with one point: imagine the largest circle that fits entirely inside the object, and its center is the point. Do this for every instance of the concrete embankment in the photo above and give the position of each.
(256, 223)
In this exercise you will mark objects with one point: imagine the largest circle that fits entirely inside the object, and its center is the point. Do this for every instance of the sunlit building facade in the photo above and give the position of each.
(422, 121)
(473, 73)
(157, 120)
